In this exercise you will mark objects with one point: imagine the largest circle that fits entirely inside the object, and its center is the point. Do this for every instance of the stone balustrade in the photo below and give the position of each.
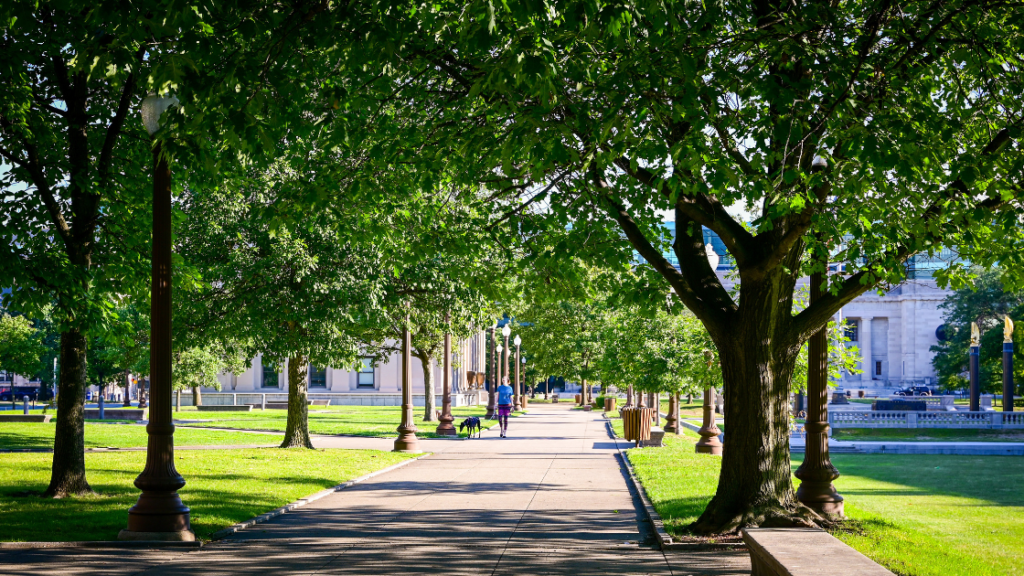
(911, 419)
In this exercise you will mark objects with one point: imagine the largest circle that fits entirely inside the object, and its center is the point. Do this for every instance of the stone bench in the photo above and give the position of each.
(25, 417)
(226, 408)
(116, 413)
(804, 552)
(657, 438)
(326, 402)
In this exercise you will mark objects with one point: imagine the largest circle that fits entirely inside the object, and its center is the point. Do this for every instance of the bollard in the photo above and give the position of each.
(101, 406)
(263, 405)
(24, 404)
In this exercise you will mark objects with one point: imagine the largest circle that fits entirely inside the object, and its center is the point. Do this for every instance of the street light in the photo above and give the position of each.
(159, 514)
(506, 331)
(520, 401)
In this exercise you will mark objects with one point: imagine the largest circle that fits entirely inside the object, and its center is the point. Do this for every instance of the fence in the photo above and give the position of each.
(911, 419)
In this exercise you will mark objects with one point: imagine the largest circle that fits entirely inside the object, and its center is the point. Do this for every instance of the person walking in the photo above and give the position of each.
(504, 405)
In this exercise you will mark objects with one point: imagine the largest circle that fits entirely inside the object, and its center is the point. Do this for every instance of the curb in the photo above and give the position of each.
(665, 539)
(221, 534)
(136, 544)
(652, 515)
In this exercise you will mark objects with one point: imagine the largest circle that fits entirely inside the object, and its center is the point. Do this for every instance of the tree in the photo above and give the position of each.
(986, 302)
(565, 338)
(293, 292)
(864, 133)
(21, 346)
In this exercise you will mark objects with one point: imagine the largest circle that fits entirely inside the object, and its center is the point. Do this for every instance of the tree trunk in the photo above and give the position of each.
(429, 403)
(177, 400)
(127, 388)
(296, 433)
(197, 396)
(67, 475)
(755, 487)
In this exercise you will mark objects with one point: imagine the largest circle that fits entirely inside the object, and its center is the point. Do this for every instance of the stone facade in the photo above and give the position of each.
(895, 333)
(383, 378)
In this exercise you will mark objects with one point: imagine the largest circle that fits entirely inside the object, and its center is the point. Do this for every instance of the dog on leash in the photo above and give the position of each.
(472, 423)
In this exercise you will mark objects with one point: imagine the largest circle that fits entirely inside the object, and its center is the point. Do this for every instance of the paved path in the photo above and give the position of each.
(551, 499)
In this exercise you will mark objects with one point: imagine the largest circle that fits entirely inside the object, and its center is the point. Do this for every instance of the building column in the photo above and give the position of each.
(865, 350)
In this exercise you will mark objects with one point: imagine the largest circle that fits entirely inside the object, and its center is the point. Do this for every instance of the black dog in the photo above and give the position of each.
(473, 423)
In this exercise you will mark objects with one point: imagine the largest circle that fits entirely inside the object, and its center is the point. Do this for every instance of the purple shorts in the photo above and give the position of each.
(504, 409)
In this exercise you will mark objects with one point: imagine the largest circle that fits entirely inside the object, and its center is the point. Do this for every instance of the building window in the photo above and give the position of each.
(365, 376)
(852, 330)
(5, 376)
(317, 377)
(878, 368)
(269, 376)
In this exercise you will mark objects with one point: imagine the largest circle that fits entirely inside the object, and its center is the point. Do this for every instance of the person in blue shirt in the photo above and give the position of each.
(504, 405)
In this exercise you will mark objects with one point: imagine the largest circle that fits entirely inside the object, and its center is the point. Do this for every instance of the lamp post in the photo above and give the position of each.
(445, 427)
(709, 442)
(1007, 364)
(526, 393)
(517, 387)
(407, 441)
(816, 473)
(974, 358)
(504, 357)
(159, 514)
(494, 371)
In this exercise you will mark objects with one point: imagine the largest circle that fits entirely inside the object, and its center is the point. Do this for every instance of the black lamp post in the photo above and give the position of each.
(159, 514)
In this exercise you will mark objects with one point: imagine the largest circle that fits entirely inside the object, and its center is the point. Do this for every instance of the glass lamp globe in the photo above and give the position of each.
(518, 340)
(499, 348)
(153, 106)
(506, 331)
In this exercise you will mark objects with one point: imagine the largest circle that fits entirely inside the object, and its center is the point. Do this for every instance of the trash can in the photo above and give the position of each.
(636, 423)
(609, 404)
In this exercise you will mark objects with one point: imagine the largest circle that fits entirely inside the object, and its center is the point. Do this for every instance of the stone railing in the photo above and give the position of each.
(337, 398)
(904, 419)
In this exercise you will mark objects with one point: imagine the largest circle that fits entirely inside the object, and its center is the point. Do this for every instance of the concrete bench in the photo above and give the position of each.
(657, 438)
(325, 402)
(25, 417)
(804, 552)
(116, 413)
(242, 408)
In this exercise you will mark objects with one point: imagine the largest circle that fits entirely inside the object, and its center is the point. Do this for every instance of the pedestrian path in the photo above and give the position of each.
(553, 498)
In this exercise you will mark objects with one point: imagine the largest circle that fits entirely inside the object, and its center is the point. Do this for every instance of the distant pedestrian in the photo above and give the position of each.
(504, 405)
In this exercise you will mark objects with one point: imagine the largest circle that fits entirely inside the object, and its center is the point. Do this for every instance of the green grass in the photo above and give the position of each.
(916, 515)
(39, 436)
(928, 435)
(223, 488)
(374, 421)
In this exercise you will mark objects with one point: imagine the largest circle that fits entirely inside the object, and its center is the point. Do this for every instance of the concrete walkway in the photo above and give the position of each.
(550, 499)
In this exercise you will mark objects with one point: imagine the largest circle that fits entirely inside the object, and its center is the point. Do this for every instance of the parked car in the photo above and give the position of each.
(18, 393)
(915, 391)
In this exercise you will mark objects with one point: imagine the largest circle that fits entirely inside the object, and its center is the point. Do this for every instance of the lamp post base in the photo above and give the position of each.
(820, 497)
(709, 445)
(179, 536)
(446, 428)
(407, 442)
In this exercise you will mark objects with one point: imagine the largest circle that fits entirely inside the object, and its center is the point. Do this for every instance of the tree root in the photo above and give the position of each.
(770, 515)
(297, 441)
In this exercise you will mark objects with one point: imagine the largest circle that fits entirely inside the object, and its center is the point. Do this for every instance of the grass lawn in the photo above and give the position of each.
(39, 435)
(928, 435)
(916, 515)
(223, 488)
(695, 410)
(376, 421)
